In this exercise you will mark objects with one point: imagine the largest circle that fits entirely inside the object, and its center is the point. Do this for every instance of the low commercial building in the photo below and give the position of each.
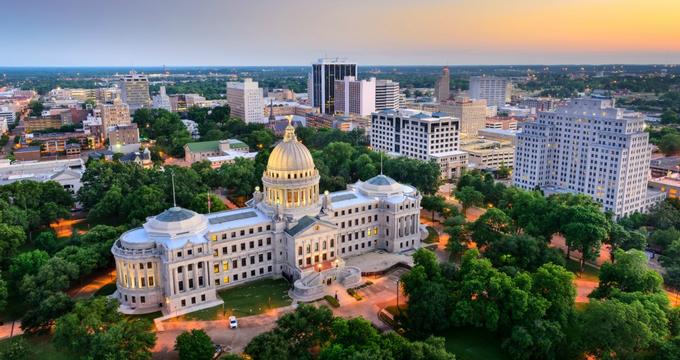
(56, 142)
(488, 154)
(65, 172)
(42, 123)
(670, 185)
(501, 122)
(665, 166)
(124, 138)
(28, 153)
(220, 151)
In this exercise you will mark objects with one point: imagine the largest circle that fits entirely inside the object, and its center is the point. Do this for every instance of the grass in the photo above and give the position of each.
(432, 235)
(106, 290)
(248, 299)
(331, 301)
(40, 347)
(474, 344)
(589, 272)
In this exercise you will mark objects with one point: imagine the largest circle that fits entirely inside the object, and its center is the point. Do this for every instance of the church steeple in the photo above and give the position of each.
(272, 118)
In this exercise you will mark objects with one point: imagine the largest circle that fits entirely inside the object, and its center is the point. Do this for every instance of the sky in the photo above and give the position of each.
(371, 32)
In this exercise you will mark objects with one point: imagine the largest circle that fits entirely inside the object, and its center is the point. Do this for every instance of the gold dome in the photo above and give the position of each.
(290, 154)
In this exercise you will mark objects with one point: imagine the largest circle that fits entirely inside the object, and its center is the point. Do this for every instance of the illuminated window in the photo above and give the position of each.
(225, 265)
(216, 268)
(214, 238)
(225, 280)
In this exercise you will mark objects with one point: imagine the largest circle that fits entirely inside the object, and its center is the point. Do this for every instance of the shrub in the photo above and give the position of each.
(332, 301)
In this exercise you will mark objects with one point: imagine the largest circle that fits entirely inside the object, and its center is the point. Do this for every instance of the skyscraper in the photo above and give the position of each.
(589, 147)
(386, 95)
(441, 88)
(354, 96)
(114, 114)
(245, 100)
(495, 90)
(134, 90)
(322, 82)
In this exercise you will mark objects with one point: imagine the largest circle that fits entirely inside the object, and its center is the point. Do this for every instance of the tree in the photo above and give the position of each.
(434, 203)
(3, 293)
(47, 241)
(586, 229)
(503, 172)
(630, 273)
(294, 335)
(670, 144)
(469, 197)
(458, 235)
(670, 117)
(665, 237)
(27, 263)
(240, 178)
(36, 107)
(96, 328)
(18, 349)
(194, 345)
(491, 226)
(521, 252)
(11, 237)
(615, 329)
(200, 204)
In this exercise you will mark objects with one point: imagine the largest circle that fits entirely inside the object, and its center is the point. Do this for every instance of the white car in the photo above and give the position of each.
(233, 323)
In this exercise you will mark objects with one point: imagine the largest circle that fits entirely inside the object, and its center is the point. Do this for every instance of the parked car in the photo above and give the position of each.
(233, 323)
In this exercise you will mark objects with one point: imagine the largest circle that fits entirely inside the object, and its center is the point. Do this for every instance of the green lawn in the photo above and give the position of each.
(107, 289)
(589, 272)
(432, 235)
(248, 299)
(40, 347)
(474, 344)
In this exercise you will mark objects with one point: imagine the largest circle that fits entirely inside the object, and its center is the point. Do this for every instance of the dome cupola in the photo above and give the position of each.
(291, 180)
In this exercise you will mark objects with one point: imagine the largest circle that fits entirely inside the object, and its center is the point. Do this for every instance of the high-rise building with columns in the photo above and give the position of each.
(178, 259)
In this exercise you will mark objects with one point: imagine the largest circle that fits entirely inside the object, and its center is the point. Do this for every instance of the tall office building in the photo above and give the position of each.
(162, 100)
(590, 147)
(134, 90)
(7, 113)
(386, 95)
(114, 114)
(495, 90)
(470, 113)
(441, 88)
(245, 100)
(419, 135)
(354, 96)
(321, 83)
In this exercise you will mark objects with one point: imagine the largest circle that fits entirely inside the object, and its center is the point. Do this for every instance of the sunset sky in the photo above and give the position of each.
(296, 32)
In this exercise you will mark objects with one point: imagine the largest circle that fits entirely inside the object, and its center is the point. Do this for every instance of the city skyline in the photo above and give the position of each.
(239, 33)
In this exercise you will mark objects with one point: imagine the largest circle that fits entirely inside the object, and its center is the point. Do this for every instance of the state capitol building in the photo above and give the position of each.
(178, 259)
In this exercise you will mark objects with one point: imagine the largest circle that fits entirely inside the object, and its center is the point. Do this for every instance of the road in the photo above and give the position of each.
(382, 293)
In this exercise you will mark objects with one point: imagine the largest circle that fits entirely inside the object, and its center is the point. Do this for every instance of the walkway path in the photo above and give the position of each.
(92, 285)
(234, 340)
(6, 329)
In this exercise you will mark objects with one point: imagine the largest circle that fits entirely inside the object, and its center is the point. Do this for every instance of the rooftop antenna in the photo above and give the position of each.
(174, 201)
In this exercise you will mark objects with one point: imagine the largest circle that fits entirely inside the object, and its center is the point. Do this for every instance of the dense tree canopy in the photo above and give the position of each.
(194, 345)
(95, 329)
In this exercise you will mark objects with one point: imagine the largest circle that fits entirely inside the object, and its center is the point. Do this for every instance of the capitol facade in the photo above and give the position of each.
(179, 259)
